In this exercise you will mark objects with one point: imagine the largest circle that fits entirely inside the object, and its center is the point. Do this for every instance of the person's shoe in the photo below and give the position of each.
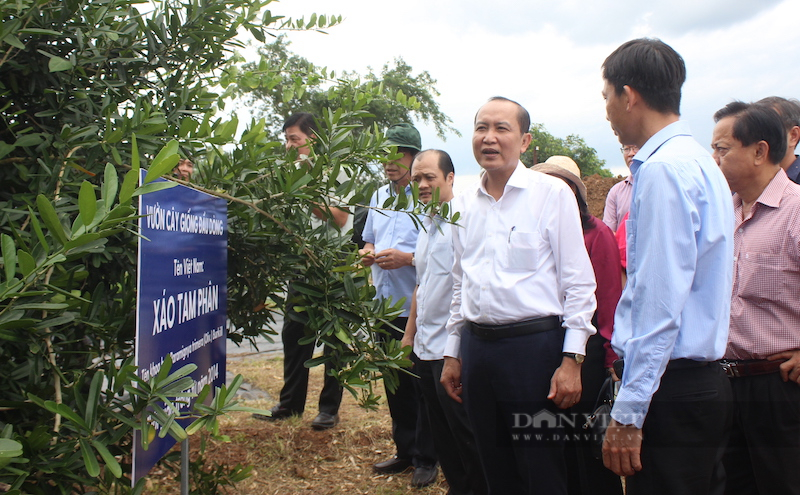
(424, 476)
(325, 421)
(278, 412)
(392, 465)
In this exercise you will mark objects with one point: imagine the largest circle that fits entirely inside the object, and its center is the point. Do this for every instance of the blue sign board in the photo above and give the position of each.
(182, 295)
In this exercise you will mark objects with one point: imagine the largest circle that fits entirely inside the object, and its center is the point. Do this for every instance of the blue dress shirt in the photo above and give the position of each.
(388, 229)
(676, 303)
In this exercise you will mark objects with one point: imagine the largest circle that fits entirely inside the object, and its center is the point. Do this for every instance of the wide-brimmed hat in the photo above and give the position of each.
(564, 167)
(404, 136)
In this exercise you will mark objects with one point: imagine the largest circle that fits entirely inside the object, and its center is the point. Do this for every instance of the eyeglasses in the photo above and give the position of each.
(629, 149)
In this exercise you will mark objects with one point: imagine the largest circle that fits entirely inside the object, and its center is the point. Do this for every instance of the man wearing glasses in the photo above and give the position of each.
(618, 201)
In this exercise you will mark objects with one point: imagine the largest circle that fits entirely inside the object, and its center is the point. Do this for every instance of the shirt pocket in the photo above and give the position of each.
(440, 257)
(523, 250)
(763, 277)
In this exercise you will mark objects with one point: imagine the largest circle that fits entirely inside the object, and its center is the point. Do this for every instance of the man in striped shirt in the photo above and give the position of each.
(763, 353)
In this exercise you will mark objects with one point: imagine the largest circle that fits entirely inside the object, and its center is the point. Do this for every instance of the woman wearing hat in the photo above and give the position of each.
(586, 473)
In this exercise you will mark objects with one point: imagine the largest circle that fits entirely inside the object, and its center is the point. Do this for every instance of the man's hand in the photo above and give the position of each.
(367, 256)
(790, 370)
(622, 448)
(391, 259)
(451, 378)
(407, 340)
(565, 386)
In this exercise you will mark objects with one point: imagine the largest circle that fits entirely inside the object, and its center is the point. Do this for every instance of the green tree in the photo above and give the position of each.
(546, 145)
(283, 83)
(91, 90)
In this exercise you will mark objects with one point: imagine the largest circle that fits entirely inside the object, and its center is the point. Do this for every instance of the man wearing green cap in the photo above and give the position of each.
(390, 239)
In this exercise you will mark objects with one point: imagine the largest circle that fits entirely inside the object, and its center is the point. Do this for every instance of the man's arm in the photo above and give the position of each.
(610, 210)
(411, 325)
(337, 214)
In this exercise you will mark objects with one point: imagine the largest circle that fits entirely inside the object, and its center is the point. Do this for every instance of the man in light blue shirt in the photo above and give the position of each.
(672, 415)
(390, 240)
(426, 331)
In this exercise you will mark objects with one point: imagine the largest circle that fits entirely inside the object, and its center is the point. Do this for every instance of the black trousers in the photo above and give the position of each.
(586, 474)
(517, 429)
(295, 374)
(452, 432)
(685, 434)
(411, 430)
(763, 455)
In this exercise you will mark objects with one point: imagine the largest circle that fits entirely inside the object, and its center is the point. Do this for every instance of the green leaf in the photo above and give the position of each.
(58, 64)
(87, 201)
(110, 185)
(89, 458)
(131, 179)
(51, 218)
(9, 252)
(14, 41)
(93, 399)
(165, 160)
(26, 263)
(153, 187)
(111, 462)
(37, 227)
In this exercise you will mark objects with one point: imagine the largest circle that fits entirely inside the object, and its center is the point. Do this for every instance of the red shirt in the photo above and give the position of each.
(604, 255)
(765, 309)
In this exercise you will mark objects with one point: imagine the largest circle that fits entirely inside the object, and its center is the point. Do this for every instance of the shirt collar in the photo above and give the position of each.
(679, 128)
(517, 179)
(772, 194)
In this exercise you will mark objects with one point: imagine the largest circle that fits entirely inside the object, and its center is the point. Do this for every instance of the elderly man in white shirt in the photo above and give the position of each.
(522, 308)
(425, 332)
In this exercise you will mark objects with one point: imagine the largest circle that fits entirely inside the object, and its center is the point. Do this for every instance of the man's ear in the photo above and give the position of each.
(794, 137)
(762, 152)
(632, 97)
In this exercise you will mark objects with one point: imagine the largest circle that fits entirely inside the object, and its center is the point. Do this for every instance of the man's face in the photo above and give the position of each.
(736, 161)
(295, 138)
(628, 152)
(615, 111)
(184, 169)
(398, 171)
(497, 141)
(427, 174)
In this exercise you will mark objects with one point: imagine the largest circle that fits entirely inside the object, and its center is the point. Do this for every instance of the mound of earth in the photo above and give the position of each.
(597, 188)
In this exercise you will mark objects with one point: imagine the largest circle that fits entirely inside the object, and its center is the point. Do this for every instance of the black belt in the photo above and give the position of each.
(673, 364)
(750, 367)
(495, 332)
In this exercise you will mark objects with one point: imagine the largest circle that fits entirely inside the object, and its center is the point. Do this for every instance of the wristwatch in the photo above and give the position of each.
(579, 358)
(413, 259)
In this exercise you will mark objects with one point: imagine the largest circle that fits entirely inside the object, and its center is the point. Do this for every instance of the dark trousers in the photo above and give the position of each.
(586, 474)
(763, 455)
(411, 430)
(517, 429)
(295, 374)
(452, 433)
(685, 434)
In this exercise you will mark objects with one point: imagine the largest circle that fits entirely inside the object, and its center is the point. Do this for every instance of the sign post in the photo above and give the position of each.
(182, 296)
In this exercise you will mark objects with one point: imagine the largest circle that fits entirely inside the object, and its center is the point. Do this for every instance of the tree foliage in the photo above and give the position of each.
(282, 83)
(572, 146)
(90, 90)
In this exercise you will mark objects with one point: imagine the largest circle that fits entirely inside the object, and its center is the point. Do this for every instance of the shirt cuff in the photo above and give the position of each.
(452, 347)
(629, 411)
(575, 341)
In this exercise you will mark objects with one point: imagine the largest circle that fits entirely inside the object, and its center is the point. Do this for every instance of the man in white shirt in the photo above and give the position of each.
(522, 307)
(425, 332)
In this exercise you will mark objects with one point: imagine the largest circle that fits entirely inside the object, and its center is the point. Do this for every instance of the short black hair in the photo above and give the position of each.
(787, 108)
(652, 68)
(756, 123)
(523, 117)
(445, 162)
(305, 121)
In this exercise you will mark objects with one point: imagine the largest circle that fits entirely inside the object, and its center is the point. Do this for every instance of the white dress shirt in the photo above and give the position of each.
(521, 257)
(434, 258)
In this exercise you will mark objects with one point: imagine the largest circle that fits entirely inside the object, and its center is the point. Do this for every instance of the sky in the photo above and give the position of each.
(547, 56)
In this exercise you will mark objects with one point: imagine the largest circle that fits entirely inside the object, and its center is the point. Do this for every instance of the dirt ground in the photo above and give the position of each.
(597, 188)
(288, 457)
